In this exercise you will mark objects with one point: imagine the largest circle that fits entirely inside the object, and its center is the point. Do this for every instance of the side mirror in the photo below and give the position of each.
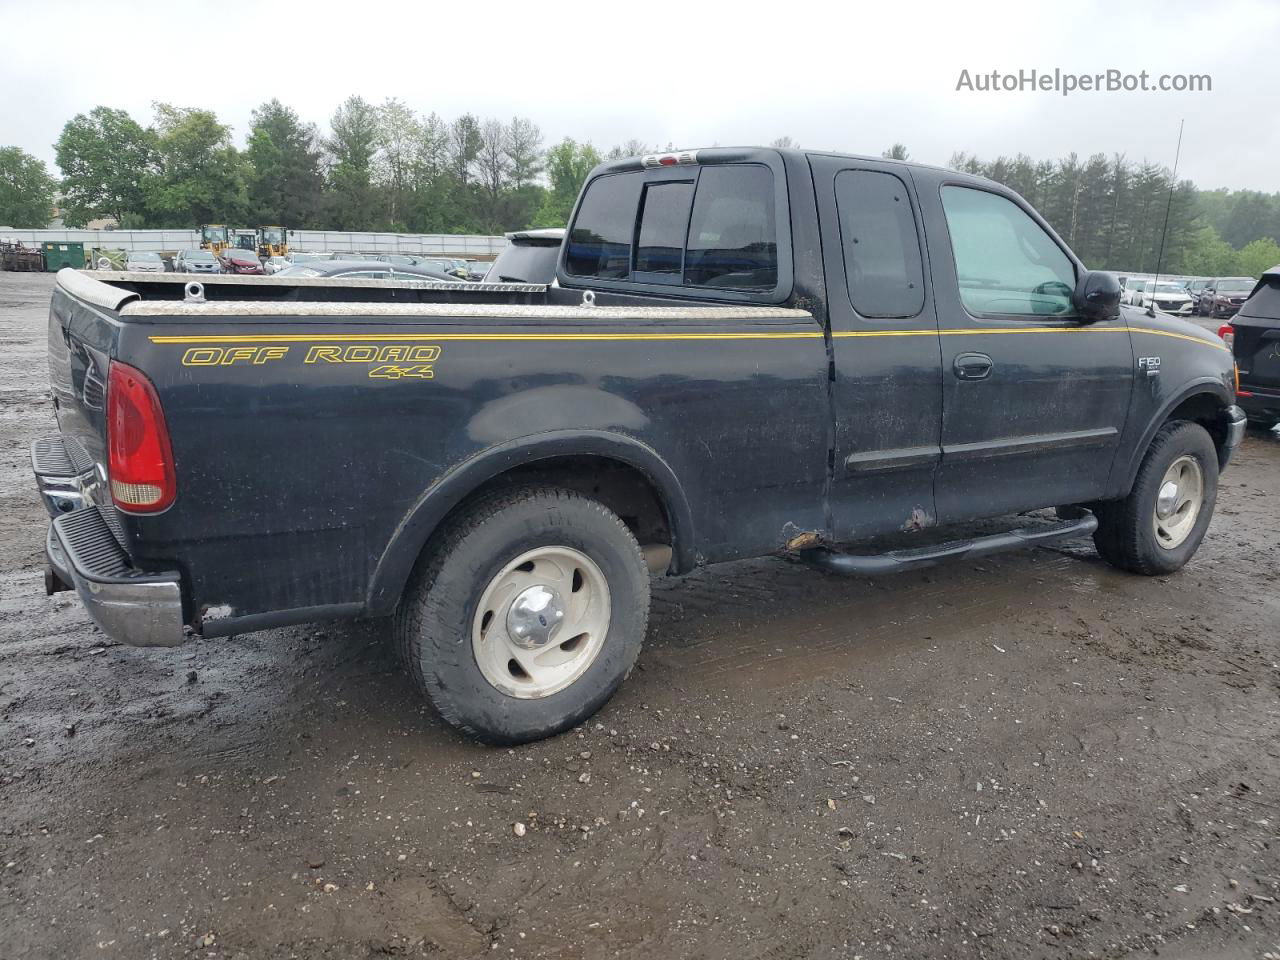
(1097, 296)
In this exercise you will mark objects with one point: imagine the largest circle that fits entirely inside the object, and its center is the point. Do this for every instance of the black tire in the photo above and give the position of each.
(433, 623)
(1125, 537)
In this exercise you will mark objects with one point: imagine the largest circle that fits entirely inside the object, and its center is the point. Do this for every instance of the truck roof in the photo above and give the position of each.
(703, 155)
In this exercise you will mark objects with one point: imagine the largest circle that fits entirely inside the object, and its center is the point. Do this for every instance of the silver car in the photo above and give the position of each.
(196, 261)
(143, 261)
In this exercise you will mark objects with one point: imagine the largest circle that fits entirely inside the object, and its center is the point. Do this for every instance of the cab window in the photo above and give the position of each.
(715, 229)
(600, 241)
(664, 217)
(882, 262)
(733, 240)
(1006, 264)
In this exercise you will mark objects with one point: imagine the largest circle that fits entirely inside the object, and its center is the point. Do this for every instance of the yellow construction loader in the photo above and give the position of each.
(272, 242)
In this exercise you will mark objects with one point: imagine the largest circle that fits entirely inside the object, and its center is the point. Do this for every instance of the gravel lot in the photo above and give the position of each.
(1029, 756)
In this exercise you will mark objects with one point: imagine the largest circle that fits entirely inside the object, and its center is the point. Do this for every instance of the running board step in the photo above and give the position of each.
(899, 561)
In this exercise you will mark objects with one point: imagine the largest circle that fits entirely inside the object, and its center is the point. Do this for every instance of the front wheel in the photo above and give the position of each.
(526, 615)
(1159, 526)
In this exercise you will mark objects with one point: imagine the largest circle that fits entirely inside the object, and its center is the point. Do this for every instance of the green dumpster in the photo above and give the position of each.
(58, 255)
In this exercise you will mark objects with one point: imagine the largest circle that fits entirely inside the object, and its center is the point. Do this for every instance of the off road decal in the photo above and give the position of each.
(401, 361)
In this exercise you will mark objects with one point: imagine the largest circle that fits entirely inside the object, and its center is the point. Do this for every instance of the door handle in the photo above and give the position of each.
(972, 366)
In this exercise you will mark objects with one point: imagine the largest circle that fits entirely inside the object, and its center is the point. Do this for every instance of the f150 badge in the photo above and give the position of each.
(384, 362)
(1149, 364)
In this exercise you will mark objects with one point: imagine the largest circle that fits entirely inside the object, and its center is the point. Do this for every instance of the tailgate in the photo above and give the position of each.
(1258, 352)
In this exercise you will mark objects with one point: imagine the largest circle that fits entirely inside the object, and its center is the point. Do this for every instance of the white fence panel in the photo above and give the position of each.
(461, 245)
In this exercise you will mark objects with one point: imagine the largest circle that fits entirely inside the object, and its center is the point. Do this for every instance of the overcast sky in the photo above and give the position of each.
(844, 76)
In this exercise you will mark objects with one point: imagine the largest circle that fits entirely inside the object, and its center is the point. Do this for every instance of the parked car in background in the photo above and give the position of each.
(478, 269)
(196, 261)
(529, 257)
(368, 270)
(1254, 337)
(1133, 290)
(1167, 295)
(144, 261)
(242, 261)
(1194, 289)
(275, 264)
(299, 257)
(401, 259)
(446, 265)
(1223, 296)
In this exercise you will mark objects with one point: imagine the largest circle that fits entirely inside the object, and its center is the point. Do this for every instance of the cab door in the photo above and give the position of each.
(886, 383)
(1034, 401)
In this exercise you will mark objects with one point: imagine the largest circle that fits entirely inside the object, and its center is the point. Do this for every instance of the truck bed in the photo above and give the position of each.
(320, 429)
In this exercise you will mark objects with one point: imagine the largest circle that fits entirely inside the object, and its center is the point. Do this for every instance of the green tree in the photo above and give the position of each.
(897, 152)
(494, 168)
(1208, 255)
(202, 177)
(104, 156)
(465, 143)
(568, 164)
(1258, 256)
(26, 190)
(524, 151)
(285, 184)
(396, 165)
(355, 136)
(1252, 216)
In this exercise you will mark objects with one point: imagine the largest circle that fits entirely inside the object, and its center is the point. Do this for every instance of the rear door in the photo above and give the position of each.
(886, 389)
(1033, 401)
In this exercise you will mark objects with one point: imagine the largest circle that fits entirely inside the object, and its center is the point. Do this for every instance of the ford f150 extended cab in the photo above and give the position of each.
(745, 352)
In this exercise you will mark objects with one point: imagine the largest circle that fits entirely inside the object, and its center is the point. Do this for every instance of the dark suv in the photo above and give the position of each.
(1254, 336)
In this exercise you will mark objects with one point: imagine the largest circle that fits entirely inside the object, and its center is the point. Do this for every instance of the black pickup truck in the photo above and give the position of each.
(746, 352)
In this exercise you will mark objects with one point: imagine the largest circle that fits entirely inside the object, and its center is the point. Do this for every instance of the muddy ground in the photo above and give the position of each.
(1029, 756)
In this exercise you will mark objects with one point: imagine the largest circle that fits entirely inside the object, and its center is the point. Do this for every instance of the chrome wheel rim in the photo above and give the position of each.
(541, 622)
(1178, 502)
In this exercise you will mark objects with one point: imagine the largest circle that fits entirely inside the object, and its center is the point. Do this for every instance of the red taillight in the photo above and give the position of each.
(139, 457)
(1228, 334)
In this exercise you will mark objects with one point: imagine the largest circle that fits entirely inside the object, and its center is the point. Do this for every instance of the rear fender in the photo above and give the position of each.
(435, 504)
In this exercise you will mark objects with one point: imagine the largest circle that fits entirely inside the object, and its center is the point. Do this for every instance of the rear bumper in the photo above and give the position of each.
(129, 605)
(1259, 404)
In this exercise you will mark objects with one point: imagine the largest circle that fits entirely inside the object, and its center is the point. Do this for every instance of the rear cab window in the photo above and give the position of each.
(699, 230)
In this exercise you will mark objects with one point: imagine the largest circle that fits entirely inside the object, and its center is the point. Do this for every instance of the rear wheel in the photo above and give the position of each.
(1159, 526)
(526, 615)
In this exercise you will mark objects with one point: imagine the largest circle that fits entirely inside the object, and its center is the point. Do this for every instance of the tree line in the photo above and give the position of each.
(387, 167)
(376, 167)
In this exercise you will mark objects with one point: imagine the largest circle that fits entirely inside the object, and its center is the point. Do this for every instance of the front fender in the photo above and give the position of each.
(1127, 471)
(413, 532)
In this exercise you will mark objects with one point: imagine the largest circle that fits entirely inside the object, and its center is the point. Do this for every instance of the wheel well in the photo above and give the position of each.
(619, 486)
(1206, 410)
